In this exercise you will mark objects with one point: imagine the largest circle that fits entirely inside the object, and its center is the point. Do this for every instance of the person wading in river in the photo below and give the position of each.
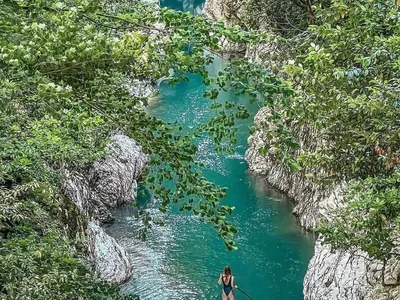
(228, 285)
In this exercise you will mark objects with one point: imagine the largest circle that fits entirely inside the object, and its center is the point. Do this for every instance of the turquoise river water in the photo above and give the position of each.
(183, 259)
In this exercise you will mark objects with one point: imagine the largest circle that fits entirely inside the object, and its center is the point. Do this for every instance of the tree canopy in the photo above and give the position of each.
(67, 70)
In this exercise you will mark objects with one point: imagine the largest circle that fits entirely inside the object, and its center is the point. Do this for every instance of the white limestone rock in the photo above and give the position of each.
(109, 183)
(313, 201)
(229, 12)
(336, 275)
(77, 189)
(141, 88)
(214, 9)
(113, 180)
(110, 260)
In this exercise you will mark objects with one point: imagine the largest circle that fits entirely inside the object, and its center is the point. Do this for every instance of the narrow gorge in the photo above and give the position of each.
(331, 274)
(183, 257)
(145, 145)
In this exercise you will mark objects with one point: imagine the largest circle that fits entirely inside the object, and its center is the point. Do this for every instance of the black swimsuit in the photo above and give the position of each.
(227, 287)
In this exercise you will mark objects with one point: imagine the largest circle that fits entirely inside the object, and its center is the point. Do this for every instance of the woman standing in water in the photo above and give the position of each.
(228, 285)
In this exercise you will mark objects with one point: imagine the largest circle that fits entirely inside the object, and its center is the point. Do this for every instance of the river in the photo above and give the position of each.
(182, 260)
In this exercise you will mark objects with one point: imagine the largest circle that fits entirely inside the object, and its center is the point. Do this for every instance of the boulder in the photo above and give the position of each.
(334, 275)
(110, 182)
(109, 259)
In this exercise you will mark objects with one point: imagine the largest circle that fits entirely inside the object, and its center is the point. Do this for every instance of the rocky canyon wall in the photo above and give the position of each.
(109, 183)
(332, 274)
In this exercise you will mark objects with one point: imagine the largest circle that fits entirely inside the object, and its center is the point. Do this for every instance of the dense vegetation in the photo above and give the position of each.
(64, 70)
(345, 68)
(284, 17)
(357, 57)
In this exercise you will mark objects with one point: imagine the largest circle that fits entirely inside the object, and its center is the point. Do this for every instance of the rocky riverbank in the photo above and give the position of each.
(107, 184)
(331, 274)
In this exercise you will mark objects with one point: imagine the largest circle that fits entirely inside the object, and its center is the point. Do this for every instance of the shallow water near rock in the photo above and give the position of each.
(183, 259)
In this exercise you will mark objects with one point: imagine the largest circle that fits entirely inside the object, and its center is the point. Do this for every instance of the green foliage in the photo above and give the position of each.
(371, 220)
(64, 72)
(286, 18)
(44, 267)
(344, 68)
(36, 259)
(346, 71)
(341, 62)
(265, 89)
(65, 69)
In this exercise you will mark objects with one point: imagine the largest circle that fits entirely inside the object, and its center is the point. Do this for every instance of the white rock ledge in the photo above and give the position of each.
(110, 182)
(335, 275)
(110, 260)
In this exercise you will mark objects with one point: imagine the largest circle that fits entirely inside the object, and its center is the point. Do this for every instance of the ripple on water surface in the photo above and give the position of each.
(182, 260)
(157, 274)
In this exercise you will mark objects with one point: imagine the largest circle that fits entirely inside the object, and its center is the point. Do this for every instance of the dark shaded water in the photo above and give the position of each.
(192, 6)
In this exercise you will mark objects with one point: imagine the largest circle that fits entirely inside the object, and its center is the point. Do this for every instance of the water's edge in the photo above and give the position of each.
(183, 258)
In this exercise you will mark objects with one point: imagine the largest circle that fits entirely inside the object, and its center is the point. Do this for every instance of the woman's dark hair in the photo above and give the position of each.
(227, 271)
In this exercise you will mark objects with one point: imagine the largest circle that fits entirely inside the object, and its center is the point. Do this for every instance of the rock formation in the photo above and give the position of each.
(109, 183)
(345, 275)
(230, 12)
(332, 274)
(110, 260)
(312, 201)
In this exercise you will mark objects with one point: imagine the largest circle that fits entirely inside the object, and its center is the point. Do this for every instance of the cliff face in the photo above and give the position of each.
(332, 274)
(215, 9)
(107, 257)
(345, 275)
(231, 12)
(108, 184)
(312, 201)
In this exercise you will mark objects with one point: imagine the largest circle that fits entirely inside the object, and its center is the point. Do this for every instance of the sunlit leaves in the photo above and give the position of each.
(346, 70)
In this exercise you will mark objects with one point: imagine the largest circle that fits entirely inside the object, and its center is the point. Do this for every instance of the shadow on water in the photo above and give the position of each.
(182, 260)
